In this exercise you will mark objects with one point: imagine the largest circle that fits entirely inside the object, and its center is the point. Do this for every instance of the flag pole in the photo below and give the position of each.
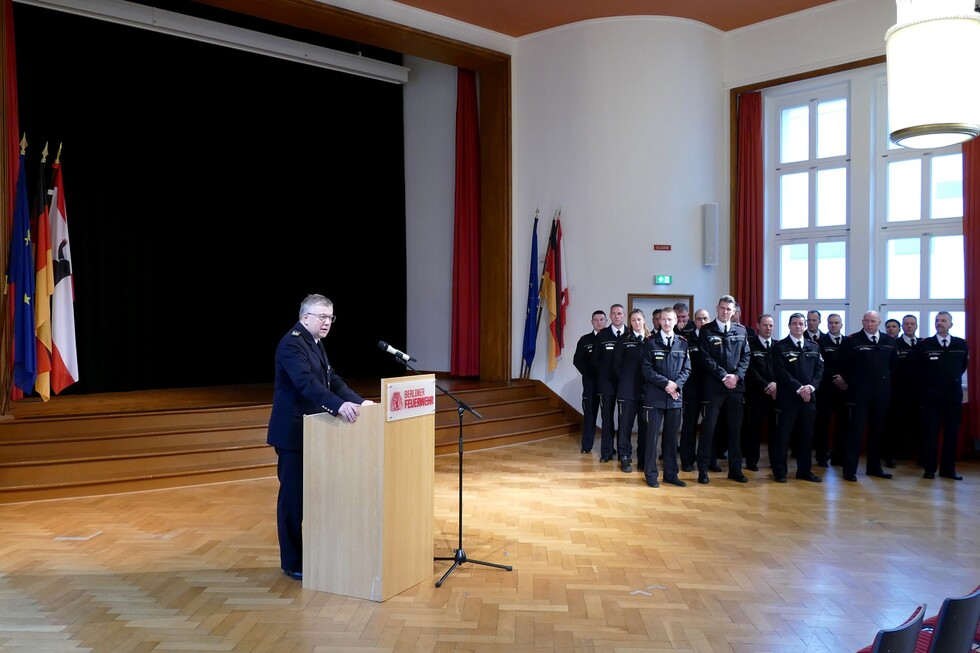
(525, 366)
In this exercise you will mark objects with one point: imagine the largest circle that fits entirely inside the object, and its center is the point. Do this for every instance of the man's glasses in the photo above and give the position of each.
(323, 317)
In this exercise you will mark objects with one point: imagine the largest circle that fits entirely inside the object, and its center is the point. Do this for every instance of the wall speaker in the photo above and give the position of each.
(709, 233)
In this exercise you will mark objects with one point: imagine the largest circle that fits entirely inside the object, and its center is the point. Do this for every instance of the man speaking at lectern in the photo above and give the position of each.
(304, 384)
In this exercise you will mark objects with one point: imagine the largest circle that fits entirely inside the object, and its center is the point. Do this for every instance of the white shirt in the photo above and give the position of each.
(764, 341)
(908, 341)
(872, 336)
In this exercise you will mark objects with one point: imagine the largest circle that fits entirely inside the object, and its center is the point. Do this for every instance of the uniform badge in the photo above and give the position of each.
(294, 333)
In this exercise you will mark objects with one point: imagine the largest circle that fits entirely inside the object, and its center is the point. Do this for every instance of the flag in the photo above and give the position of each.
(64, 362)
(530, 318)
(43, 284)
(20, 288)
(554, 292)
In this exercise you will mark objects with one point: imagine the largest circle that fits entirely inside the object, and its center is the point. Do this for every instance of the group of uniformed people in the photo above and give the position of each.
(810, 391)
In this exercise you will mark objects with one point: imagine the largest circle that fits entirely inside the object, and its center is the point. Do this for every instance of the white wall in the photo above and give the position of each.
(619, 123)
(430, 133)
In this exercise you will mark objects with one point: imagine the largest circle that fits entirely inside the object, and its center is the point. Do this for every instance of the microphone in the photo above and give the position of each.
(384, 346)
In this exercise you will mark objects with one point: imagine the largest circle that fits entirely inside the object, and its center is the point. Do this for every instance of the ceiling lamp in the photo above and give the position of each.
(932, 54)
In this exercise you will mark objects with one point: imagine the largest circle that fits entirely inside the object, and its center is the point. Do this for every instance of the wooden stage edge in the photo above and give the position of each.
(167, 399)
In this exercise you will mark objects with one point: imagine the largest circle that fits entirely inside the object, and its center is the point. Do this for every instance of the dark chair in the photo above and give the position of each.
(954, 628)
(901, 639)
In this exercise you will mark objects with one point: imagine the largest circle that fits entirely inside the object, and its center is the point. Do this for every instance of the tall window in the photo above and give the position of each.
(919, 233)
(853, 222)
(807, 202)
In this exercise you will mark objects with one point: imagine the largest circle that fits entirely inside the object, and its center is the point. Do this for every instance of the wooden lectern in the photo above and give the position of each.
(368, 500)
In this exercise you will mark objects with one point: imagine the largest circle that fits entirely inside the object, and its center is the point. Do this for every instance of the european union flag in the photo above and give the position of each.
(21, 288)
(531, 318)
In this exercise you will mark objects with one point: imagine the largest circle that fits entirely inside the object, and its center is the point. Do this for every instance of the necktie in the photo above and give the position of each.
(836, 341)
(766, 345)
(874, 340)
(945, 343)
(669, 342)
(726, 329)
(799, 345)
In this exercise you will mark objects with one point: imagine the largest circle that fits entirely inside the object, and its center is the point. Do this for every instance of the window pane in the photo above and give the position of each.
(947, 186)
(946, 271)
(794, 201)
(831, 270)
(832, 197)
(902, 268)
(794, 134)
(958, 329)
(832, 128)
(905, 190)
(793, 271)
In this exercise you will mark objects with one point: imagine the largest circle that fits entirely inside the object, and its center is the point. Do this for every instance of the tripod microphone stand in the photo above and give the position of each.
(459, 556)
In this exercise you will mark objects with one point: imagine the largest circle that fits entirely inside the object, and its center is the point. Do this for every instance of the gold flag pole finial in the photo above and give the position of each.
(23, 143)
(57, 159)
(44, 153)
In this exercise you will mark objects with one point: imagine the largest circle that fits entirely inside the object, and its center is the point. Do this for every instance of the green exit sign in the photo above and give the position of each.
(663, 279)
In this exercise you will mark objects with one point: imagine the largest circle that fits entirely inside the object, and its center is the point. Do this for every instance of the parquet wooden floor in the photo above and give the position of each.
(601, 563)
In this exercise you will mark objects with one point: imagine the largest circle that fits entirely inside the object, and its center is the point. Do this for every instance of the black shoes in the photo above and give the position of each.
(890, 463)
(813, 478)
(738, 478)
(703, 478)
(752, 468)
(822, 463)
(850, 477)
(605, 459)
(295, 575)
(586, 450)
(714, 468)
(624, 464)
(653, 482)
(929, 476)
(687, 468)
(780, 479)
(951, 475)
(675, 481)
(880, 474)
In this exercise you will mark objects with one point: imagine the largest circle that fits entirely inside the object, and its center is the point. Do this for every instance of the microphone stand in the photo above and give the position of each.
(459, 555)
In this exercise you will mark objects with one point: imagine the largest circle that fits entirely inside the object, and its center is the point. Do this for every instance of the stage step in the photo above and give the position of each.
(121, 442)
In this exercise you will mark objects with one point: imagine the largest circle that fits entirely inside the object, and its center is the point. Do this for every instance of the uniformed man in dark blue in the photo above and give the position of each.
(868, 359)
(304, 384)
(602, 356)
(692, 394)
(760, 393)
(940, 362)
(585, 365)
(830, 431)
(666, 368)
(799, 371)
(725, 359)
(904, 431)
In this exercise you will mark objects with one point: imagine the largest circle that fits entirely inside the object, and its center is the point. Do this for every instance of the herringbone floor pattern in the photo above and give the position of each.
(601, 563)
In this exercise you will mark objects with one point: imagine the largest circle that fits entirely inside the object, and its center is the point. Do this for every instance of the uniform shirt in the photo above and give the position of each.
(795, 369)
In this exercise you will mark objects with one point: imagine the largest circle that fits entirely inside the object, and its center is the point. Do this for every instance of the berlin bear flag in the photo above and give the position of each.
(64, 361)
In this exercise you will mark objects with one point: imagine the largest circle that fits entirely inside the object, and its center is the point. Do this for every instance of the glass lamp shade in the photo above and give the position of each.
(931, 58)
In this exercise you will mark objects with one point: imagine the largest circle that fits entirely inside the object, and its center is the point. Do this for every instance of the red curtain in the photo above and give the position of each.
(9, 163)
(465, 350)
(971, 246)
(749, 220)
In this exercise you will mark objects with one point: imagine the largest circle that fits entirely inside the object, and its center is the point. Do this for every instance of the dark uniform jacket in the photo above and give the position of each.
(585, 364)
(627, 357)
(304, 384)
(662, 365)
(722, 354)
(602, 356)
(867, 367)
(762, 368)
(795, 369)
(940, 371)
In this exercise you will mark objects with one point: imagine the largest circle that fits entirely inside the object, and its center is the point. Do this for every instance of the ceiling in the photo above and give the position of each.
(522, 17)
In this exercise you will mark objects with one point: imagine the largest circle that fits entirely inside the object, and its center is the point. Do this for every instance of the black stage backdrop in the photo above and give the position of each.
(208, 191)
